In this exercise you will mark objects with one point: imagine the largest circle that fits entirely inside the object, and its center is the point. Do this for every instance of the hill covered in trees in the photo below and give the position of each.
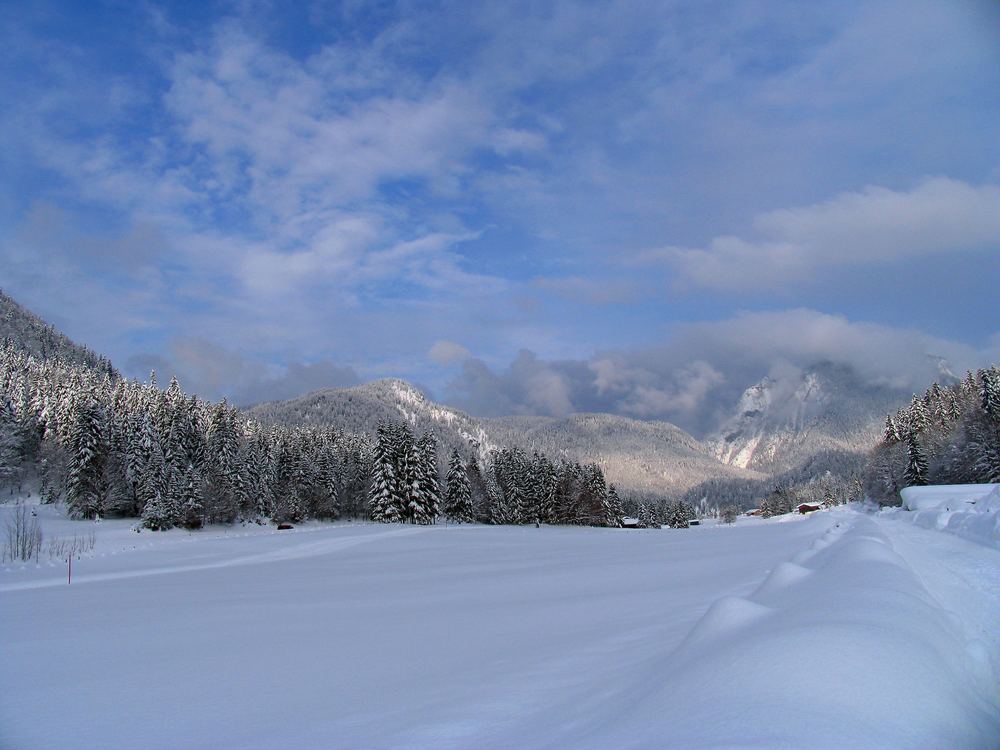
(28, 333)
(949, 435)
(644, 458)
(110, 447)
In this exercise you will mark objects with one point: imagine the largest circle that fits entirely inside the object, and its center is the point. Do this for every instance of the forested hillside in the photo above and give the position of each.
(361, 409)
(111, 447)
(29, 333)
(650, 459)
(644, 458)
(949, 435)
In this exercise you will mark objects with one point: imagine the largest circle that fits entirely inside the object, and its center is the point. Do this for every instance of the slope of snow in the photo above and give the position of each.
(808, 632)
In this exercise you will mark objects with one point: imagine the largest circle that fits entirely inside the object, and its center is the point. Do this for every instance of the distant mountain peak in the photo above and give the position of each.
(779, 421)
(943, 367)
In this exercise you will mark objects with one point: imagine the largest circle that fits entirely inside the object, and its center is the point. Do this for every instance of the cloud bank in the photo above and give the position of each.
(876, 226)
(695, 377)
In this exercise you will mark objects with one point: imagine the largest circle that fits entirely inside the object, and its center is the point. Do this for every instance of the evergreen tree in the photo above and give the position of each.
(990, 392)
(157, 515)
(891, 434)
(499, 510)
(191, 504)
(458, 491)
(426, 478)
(613, 508)
(918, 418)
(223, 470)
(594, 496)
(84, 486)
(382, 494)
(916, 467)
(648, 517)
(11, 443)
(547, 481)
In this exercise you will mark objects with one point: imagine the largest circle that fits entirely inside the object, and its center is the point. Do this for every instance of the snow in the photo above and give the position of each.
(971, 511)
(936, 495)
(837, 629)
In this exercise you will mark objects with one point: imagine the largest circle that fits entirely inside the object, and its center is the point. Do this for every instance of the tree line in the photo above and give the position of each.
(949, 435)
(512, 488)
(107, 446)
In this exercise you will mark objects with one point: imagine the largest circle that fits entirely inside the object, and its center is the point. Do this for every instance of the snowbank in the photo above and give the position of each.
(971, 511)
(842, 646)
(953, 495)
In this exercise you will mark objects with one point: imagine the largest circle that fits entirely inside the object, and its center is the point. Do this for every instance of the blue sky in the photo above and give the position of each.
(531, 208)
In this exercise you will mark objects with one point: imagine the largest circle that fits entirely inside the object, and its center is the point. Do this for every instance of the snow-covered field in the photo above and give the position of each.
(836, 630)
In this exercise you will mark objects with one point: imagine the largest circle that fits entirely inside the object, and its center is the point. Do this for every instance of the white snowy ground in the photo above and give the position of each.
(839, 630)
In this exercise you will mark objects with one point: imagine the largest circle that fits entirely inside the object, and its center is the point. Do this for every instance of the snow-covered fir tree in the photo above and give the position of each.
(458, 491)
(85, 487)
(916, 467)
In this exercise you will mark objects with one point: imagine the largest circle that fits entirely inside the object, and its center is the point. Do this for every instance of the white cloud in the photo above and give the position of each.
(297, 138)
(696, 375)
(448, 352)
(938, 217)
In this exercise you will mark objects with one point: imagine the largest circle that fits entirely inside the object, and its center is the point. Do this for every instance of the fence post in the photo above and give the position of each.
(69, 572)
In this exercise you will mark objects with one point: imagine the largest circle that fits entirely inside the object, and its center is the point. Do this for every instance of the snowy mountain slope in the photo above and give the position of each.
(27, 332)
(639, 457)
(826, 631)
(360, 409)
(780, 422)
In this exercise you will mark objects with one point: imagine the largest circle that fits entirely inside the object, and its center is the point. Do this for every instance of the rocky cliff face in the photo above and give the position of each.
(780, 421)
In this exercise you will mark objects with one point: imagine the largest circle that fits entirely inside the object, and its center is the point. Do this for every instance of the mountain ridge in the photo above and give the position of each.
(32, 334)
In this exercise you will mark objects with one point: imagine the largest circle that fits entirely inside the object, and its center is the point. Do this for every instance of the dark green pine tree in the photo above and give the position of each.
(191, 504)
(648, 517)
(917, 413)
(427, 477)
(11, 442)
(990, 392)
(222, 472)
(916, 465)
(382, 504)
(157, 515)
(891, 434)
(547, 480)
(679, 515)
(84, 485)
(458, 491)
(499, 509)
(613, 508)
(155, 490)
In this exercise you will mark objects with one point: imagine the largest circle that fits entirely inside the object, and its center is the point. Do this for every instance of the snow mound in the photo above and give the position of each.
(971, 511)
(723, 617)
(946, 496)
(848, 651)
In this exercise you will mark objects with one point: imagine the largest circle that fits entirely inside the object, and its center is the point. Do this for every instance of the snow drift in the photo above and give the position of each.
(971, 511)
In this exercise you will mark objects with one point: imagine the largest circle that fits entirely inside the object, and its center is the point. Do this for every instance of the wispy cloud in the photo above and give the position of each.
(875, 226)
